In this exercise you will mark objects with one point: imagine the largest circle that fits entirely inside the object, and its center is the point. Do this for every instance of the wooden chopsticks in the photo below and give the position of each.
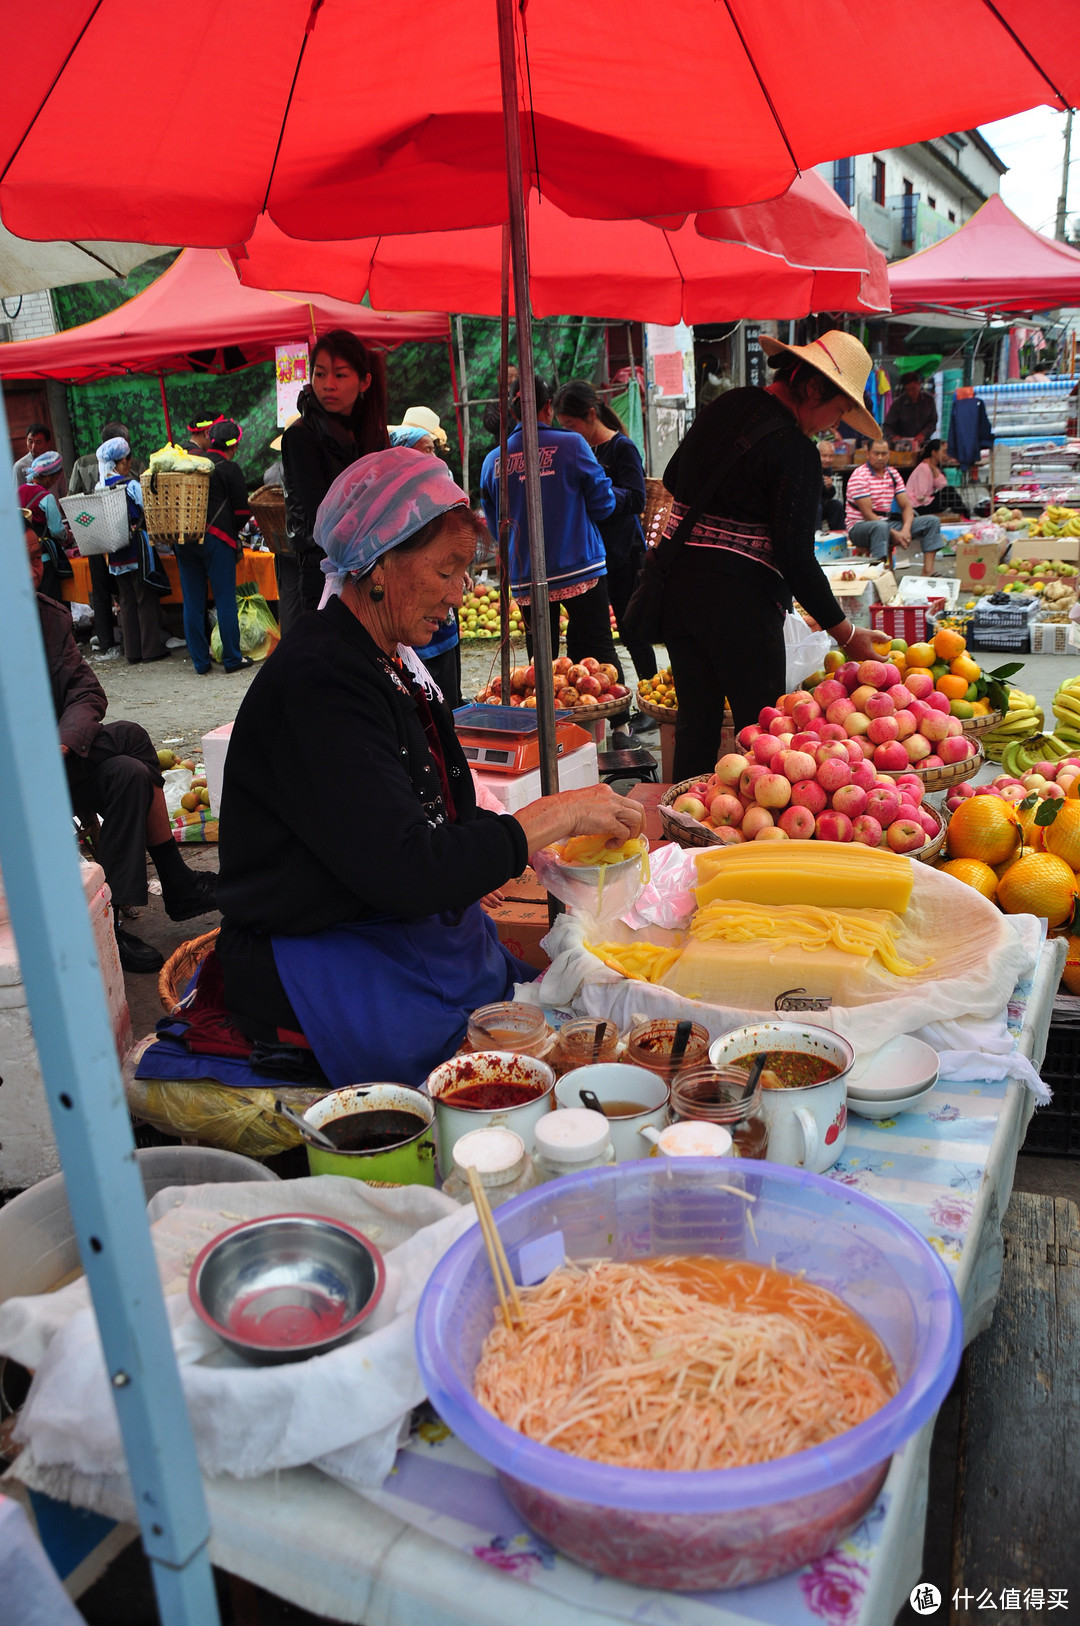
(505, 1285)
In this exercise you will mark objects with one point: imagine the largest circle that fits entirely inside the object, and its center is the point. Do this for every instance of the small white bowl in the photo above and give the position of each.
(891, 1108)
(895, 1071)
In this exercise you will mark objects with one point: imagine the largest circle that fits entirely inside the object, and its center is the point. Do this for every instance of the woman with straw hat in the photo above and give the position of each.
(740, 538)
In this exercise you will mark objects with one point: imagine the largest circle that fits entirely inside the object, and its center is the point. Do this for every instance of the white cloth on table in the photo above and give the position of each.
(342, 1411)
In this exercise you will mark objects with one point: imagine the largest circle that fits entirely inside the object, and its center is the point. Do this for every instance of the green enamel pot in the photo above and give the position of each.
(409, 1163)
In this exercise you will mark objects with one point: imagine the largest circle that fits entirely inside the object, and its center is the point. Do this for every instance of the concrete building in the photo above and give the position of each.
(909, 198)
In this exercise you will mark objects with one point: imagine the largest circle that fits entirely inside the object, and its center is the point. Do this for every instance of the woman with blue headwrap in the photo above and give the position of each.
(140, 617)
(353, 854)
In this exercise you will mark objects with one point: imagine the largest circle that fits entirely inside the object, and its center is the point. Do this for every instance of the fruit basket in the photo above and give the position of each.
(699, 835)
(664, 714)
(981, 725)
(953, 773)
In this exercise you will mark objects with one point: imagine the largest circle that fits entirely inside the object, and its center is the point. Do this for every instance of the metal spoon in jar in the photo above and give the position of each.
(679, 1043)
(755, 1074)
(308, 1131)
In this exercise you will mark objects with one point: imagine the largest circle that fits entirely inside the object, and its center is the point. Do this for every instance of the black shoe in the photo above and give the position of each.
(198, 899)
(135, 955)
(642, 723)
(246, 661)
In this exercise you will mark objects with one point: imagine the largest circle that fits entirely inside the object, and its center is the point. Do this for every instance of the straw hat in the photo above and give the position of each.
(275, 445)
(841, 359)
(423, 418)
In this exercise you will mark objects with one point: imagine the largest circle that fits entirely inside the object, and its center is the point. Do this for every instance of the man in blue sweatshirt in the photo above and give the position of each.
(576, 493)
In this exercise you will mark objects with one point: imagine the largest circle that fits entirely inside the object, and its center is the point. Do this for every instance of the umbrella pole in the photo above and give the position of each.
(504, 474)
(165, 408)
(541, 631)
(457, 411)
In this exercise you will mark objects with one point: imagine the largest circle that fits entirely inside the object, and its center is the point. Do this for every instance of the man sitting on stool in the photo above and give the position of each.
(872, 492)
(112, 770)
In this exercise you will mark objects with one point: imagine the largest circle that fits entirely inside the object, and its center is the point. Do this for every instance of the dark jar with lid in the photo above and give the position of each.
(715, 1095)
(649, 1045)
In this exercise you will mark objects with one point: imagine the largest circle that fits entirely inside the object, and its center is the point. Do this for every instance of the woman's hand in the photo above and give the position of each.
(595, 810)
(860, 646)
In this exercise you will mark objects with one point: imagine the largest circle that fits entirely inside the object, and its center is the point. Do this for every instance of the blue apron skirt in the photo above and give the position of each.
(388, 1000)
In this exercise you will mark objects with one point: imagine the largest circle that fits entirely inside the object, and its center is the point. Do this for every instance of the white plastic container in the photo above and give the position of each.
(572, 1139)
(504, 1167)
(692, 1138)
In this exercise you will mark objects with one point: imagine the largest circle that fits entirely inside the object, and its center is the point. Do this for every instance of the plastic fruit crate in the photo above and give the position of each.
(1015, 640)
(1051, 638)
(911, 622)
(1054, 1131)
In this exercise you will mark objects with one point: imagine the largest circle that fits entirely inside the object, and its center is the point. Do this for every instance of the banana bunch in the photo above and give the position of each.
(1057, 521)
(1066, 707)
(1020, 756)
(1023, 718)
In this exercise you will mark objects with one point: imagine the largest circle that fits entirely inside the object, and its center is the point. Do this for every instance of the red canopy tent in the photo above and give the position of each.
(799, 253)
(198, 318)
(993, 263)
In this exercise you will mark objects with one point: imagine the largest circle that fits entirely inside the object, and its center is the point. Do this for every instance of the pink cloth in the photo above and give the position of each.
(923, 481)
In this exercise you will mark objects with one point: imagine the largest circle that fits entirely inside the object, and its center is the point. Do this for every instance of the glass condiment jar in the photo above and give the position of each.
(509, 1026)
(576, 1045)
(569, 1140)
(649, 1045)
(500, 1160)
(715, 1095)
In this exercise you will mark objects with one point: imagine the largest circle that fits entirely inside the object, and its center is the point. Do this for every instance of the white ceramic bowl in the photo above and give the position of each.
(621, 1081)
(898, 1069)
(487, 1066)
(888, 1109)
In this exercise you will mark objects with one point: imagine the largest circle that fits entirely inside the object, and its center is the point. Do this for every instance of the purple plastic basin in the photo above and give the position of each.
(725, 1527)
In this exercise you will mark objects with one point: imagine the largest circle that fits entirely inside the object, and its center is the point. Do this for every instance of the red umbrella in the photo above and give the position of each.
(129, 119)
(804, 252)
(138, 120)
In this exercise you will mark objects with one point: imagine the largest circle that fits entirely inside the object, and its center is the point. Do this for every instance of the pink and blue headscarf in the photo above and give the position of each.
(378, 502)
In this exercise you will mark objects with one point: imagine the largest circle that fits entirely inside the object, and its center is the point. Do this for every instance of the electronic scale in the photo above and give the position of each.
(503, 739)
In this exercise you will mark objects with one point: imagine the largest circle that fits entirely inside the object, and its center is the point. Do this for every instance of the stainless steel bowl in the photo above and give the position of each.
(285, 1287)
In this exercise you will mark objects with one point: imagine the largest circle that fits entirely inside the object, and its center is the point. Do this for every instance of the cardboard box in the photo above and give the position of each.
(649, 797)
(976, 565)
(524, 888)
(1065, 549)
(521, 927)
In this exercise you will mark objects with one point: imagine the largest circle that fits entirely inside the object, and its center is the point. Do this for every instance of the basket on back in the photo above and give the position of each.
(175, 505)
(98, 520)
(268, 507)
(658, 501)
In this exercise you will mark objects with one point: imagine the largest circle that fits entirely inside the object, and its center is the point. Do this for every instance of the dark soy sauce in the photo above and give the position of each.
(375, 1131)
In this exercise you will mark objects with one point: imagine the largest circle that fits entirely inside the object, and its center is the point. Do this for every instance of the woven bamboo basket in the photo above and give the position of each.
(700, 836)
(179, 969)
(268, 507)
(933, 779)
(658, 502)
(175, 505)
(670, 714)
(981, 725)
(584, 714)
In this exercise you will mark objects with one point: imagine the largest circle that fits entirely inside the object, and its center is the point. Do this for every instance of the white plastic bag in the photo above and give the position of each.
(806, 650)
(177, 784)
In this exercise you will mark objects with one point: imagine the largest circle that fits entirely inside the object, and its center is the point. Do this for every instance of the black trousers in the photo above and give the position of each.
(725, 638)
(589, 628)
(300, 585)
(832, 514)
(101, 597)
(116, 780)
(622, 578)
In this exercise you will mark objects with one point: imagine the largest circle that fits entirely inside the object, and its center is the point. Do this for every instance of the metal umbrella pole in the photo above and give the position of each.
(541, 631)
(504, 476)
(75, 1044)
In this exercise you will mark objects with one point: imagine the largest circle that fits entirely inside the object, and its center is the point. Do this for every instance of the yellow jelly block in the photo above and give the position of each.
(826, 875)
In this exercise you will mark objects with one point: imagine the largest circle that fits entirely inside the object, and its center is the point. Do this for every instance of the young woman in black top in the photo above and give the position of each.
(342, 417)
(578, 407)
(751, 550)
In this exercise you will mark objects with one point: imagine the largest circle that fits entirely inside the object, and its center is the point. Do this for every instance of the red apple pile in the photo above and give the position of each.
(1049, 781)
(585, 684)
(899, 723)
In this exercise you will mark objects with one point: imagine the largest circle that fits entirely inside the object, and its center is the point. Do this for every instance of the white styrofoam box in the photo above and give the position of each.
(515, 791)
(215, 749)
(27, 1145)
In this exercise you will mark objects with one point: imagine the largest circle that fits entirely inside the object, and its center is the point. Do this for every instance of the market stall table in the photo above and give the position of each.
(438, 1544)
(256, 566)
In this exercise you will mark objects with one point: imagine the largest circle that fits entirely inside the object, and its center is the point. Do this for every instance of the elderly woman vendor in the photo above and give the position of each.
(353, 854)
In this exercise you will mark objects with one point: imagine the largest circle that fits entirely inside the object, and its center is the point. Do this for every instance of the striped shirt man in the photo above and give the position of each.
(880, 488)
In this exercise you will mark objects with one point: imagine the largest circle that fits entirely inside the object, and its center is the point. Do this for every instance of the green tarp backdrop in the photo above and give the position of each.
(416, 375)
